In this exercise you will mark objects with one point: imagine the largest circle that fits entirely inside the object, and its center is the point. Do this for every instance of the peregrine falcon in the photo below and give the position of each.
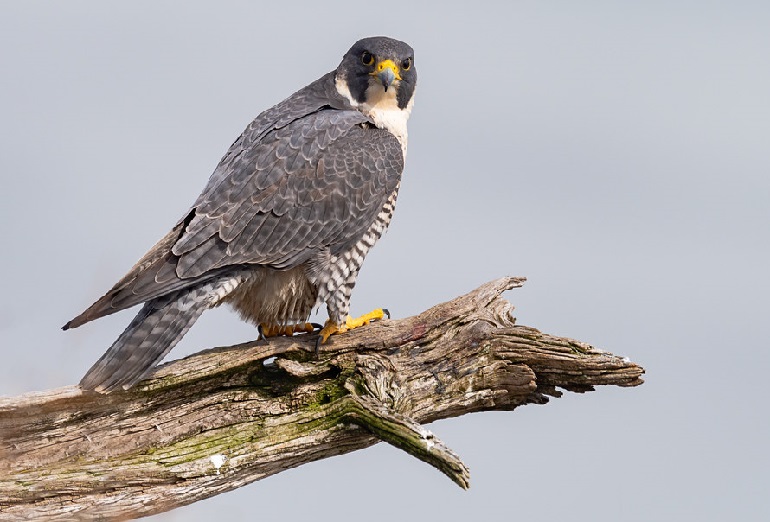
(285, 221)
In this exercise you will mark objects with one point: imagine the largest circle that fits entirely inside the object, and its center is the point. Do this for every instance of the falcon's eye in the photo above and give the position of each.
(406, 64)
(367, 58)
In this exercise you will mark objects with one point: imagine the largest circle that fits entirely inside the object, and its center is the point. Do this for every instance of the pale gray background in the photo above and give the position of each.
(615, 153)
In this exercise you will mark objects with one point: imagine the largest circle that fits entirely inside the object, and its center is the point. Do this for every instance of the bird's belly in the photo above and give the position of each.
(273, 296)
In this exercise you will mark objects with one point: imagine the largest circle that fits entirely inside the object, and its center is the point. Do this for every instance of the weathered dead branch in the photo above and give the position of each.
(226, 417)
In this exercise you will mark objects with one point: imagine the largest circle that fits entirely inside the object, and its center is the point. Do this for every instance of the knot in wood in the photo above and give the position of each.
(380, 379)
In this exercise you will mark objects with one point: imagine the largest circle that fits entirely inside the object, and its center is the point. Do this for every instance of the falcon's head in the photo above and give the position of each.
(377, 70)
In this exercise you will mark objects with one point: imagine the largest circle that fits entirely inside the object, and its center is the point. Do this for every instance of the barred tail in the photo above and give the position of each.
(156, 329)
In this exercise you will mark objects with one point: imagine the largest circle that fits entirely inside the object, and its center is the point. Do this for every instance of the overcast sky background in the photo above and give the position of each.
(615, 153)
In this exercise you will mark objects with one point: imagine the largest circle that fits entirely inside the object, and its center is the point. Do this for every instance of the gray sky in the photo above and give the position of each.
(615, 153)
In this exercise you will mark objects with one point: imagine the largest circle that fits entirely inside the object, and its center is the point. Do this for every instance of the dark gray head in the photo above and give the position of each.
(378, 63)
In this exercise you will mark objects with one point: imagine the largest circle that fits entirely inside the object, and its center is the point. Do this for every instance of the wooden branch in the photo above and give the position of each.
(223, 418)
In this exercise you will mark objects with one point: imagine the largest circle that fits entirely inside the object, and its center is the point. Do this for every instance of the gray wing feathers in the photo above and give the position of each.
(140, 284)
(300, 178)
(156, 273)
(155, 330)
(318, 182)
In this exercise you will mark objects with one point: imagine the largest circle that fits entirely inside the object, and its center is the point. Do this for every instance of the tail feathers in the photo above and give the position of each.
(156, 329)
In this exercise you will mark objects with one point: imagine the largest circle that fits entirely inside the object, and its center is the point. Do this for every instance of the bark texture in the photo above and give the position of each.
(226, 417)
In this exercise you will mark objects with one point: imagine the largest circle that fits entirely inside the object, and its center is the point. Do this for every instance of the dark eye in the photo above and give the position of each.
(367, 58)
(406, 64)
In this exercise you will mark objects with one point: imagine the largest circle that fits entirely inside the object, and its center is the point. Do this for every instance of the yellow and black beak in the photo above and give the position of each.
(386, 71)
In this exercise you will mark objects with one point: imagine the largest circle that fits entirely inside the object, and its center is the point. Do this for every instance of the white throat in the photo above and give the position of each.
(382, 107)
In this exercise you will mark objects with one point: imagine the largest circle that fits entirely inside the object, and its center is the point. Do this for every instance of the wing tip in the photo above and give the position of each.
(78, 321)
(99, 309)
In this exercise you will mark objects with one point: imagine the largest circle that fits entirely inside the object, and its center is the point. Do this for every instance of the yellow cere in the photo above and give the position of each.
(390, 64)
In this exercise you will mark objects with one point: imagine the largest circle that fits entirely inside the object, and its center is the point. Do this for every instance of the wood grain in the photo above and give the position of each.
(223, 418)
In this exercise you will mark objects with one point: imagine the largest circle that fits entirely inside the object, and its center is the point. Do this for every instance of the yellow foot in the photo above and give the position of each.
(331, 328)
(274, 330)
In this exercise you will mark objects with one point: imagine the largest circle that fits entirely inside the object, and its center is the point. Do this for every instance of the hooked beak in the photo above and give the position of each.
(386, 72)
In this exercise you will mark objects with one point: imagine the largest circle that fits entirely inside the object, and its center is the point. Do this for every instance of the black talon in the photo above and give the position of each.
(386, 312)
(317, 326)
(317, 346)
(261, 334)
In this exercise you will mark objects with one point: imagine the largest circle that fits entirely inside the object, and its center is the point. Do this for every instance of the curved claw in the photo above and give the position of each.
(261, 333)
(386, 312)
